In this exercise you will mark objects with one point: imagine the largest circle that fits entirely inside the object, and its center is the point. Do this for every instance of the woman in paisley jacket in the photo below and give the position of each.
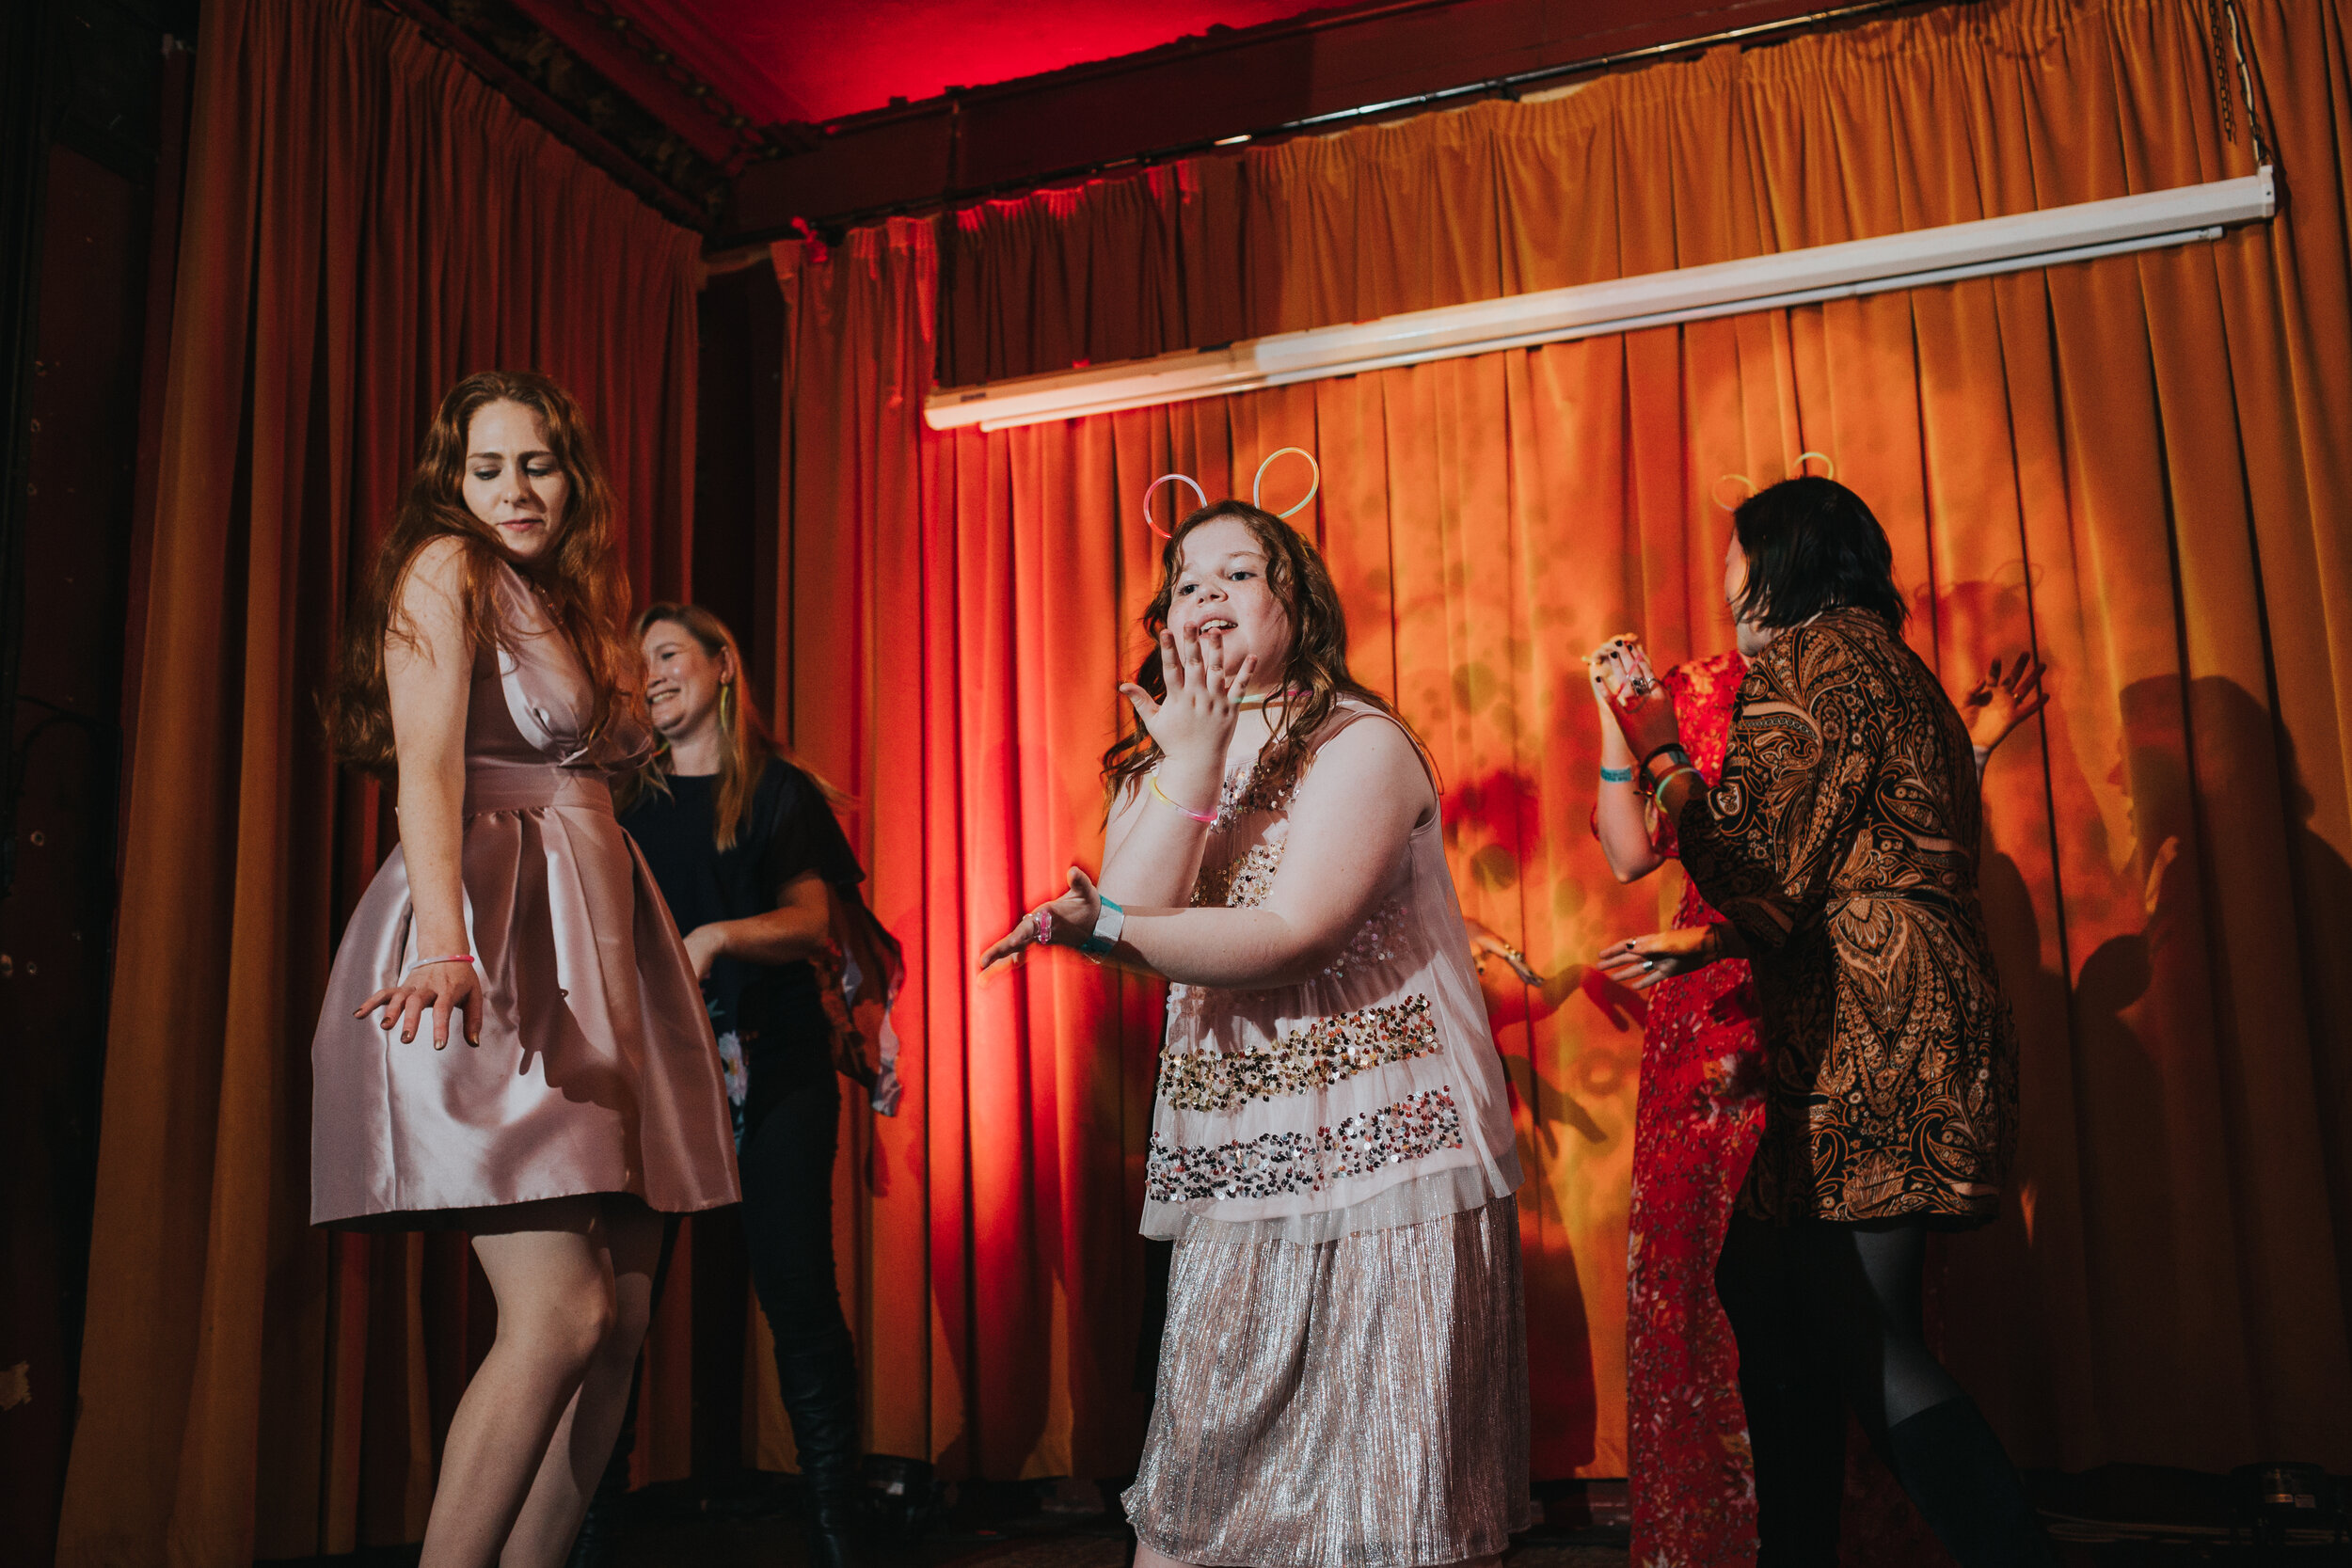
(1840, 844)
(1696, 1125)
(1342, 1381)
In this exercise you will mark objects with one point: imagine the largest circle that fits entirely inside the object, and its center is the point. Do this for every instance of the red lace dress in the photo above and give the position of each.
(1695, 1124)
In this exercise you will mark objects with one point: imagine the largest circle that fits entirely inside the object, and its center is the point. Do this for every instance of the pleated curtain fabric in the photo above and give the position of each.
(2140, 466)
(366, 222)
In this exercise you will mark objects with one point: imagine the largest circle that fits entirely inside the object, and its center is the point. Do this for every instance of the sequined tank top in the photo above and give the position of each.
(1370, 1095)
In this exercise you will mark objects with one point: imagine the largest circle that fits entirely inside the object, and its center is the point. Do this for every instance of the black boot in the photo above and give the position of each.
(1959, 1476)
(820, 1389)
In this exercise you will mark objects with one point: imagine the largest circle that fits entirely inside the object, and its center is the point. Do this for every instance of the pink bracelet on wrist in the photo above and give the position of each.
(444, 959)
(1208, 816)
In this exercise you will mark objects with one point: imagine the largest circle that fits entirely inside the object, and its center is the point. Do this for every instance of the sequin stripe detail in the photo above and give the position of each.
(1252, 791)
(1276, 1164)
(1313, 1056)
(1242, 885)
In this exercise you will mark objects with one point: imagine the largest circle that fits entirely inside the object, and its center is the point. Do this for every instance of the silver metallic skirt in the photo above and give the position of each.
(1352, 1403)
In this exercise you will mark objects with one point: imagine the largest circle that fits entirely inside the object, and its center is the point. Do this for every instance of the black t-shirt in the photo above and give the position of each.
(790, 829)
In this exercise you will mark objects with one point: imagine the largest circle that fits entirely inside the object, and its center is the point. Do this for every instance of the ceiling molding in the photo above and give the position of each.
(577, 104)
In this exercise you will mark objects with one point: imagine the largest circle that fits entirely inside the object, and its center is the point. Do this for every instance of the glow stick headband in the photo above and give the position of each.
(1256, 488)
(1795, 470)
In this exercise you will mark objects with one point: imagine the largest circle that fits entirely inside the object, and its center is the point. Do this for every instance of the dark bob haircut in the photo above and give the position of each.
(1812, 545)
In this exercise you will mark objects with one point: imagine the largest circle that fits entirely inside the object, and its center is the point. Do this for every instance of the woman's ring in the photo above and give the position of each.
(1642, 685)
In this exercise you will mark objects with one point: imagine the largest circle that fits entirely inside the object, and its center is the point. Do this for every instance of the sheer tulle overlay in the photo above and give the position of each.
(596, 1072)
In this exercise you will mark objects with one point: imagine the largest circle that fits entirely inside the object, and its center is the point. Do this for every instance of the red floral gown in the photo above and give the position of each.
(1696, 1122)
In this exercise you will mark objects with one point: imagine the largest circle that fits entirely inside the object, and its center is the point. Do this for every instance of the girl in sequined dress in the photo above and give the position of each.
(1343, 1378)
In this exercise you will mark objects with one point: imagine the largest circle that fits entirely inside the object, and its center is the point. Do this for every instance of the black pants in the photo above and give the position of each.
(792, 1124)
(792, 1120)
(793, 1132)
(1827, 1317)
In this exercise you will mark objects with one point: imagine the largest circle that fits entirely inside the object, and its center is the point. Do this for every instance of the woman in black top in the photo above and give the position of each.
(749, 856)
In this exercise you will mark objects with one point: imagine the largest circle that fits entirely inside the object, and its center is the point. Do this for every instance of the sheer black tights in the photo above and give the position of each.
(1827, 1317)
(1819, 1297)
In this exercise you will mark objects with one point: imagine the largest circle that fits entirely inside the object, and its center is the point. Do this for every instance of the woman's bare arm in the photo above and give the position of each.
(1352, 817)
(1622, 817)
(1151, 850)
(794, 931)
(428, 675)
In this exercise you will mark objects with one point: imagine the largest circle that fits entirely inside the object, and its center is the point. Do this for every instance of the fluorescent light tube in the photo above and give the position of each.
(1912, 259)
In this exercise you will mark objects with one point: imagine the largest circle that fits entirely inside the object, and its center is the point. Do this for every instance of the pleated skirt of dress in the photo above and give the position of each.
(1354, 1403)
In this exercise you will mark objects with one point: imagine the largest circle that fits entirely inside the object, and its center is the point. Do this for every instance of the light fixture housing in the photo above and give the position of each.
(1817, 273)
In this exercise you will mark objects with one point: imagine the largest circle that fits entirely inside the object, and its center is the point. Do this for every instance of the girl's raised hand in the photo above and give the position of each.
(1193, 721)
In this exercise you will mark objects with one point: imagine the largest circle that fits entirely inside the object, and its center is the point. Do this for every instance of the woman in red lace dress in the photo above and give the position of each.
(1696, 1121)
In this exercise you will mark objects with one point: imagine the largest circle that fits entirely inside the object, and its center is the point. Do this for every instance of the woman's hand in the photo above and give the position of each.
(1193, 721)
(1068, 921)
(1997, 704)
(1645, 708)
(704, 945)
(1484, 941)
(438, 988)
(1605, 661)
(1638, 963)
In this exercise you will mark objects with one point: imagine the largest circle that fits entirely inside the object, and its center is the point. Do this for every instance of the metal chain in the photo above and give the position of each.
(2246, 81)
(2221, 73)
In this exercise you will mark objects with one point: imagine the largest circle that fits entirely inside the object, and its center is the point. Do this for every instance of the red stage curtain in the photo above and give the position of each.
(2139, 464)
(366, 222)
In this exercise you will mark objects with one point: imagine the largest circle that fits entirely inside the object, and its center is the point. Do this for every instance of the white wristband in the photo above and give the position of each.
(1108, 925)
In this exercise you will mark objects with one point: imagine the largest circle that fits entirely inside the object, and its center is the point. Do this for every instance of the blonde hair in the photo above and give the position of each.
(744, 742)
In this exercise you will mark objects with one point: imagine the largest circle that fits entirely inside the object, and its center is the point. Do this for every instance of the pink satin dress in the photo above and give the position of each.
(597, 1070)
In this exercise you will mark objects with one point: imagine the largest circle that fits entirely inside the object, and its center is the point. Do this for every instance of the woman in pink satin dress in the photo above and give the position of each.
(580, 1098)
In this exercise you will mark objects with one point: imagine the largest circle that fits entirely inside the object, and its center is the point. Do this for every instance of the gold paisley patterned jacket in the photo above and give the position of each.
(1842, 842)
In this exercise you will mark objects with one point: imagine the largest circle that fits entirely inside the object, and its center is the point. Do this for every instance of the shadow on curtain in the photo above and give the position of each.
(365, 222)
(2137, 466)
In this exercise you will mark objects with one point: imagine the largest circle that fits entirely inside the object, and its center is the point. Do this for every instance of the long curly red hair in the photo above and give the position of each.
(579, 574)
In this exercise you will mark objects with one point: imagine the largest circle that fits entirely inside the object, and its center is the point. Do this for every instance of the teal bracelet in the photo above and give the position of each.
(1098, 942)
(1617, 775)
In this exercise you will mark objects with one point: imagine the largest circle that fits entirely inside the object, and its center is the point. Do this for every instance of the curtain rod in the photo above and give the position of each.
(1510, 84)
(1910, 259)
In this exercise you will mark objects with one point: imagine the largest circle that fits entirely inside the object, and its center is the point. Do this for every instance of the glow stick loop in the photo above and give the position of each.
(1153, 488)
(1258, 481)
(1717, 493)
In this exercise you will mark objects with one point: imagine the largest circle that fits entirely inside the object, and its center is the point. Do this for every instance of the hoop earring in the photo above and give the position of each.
(726, 707)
